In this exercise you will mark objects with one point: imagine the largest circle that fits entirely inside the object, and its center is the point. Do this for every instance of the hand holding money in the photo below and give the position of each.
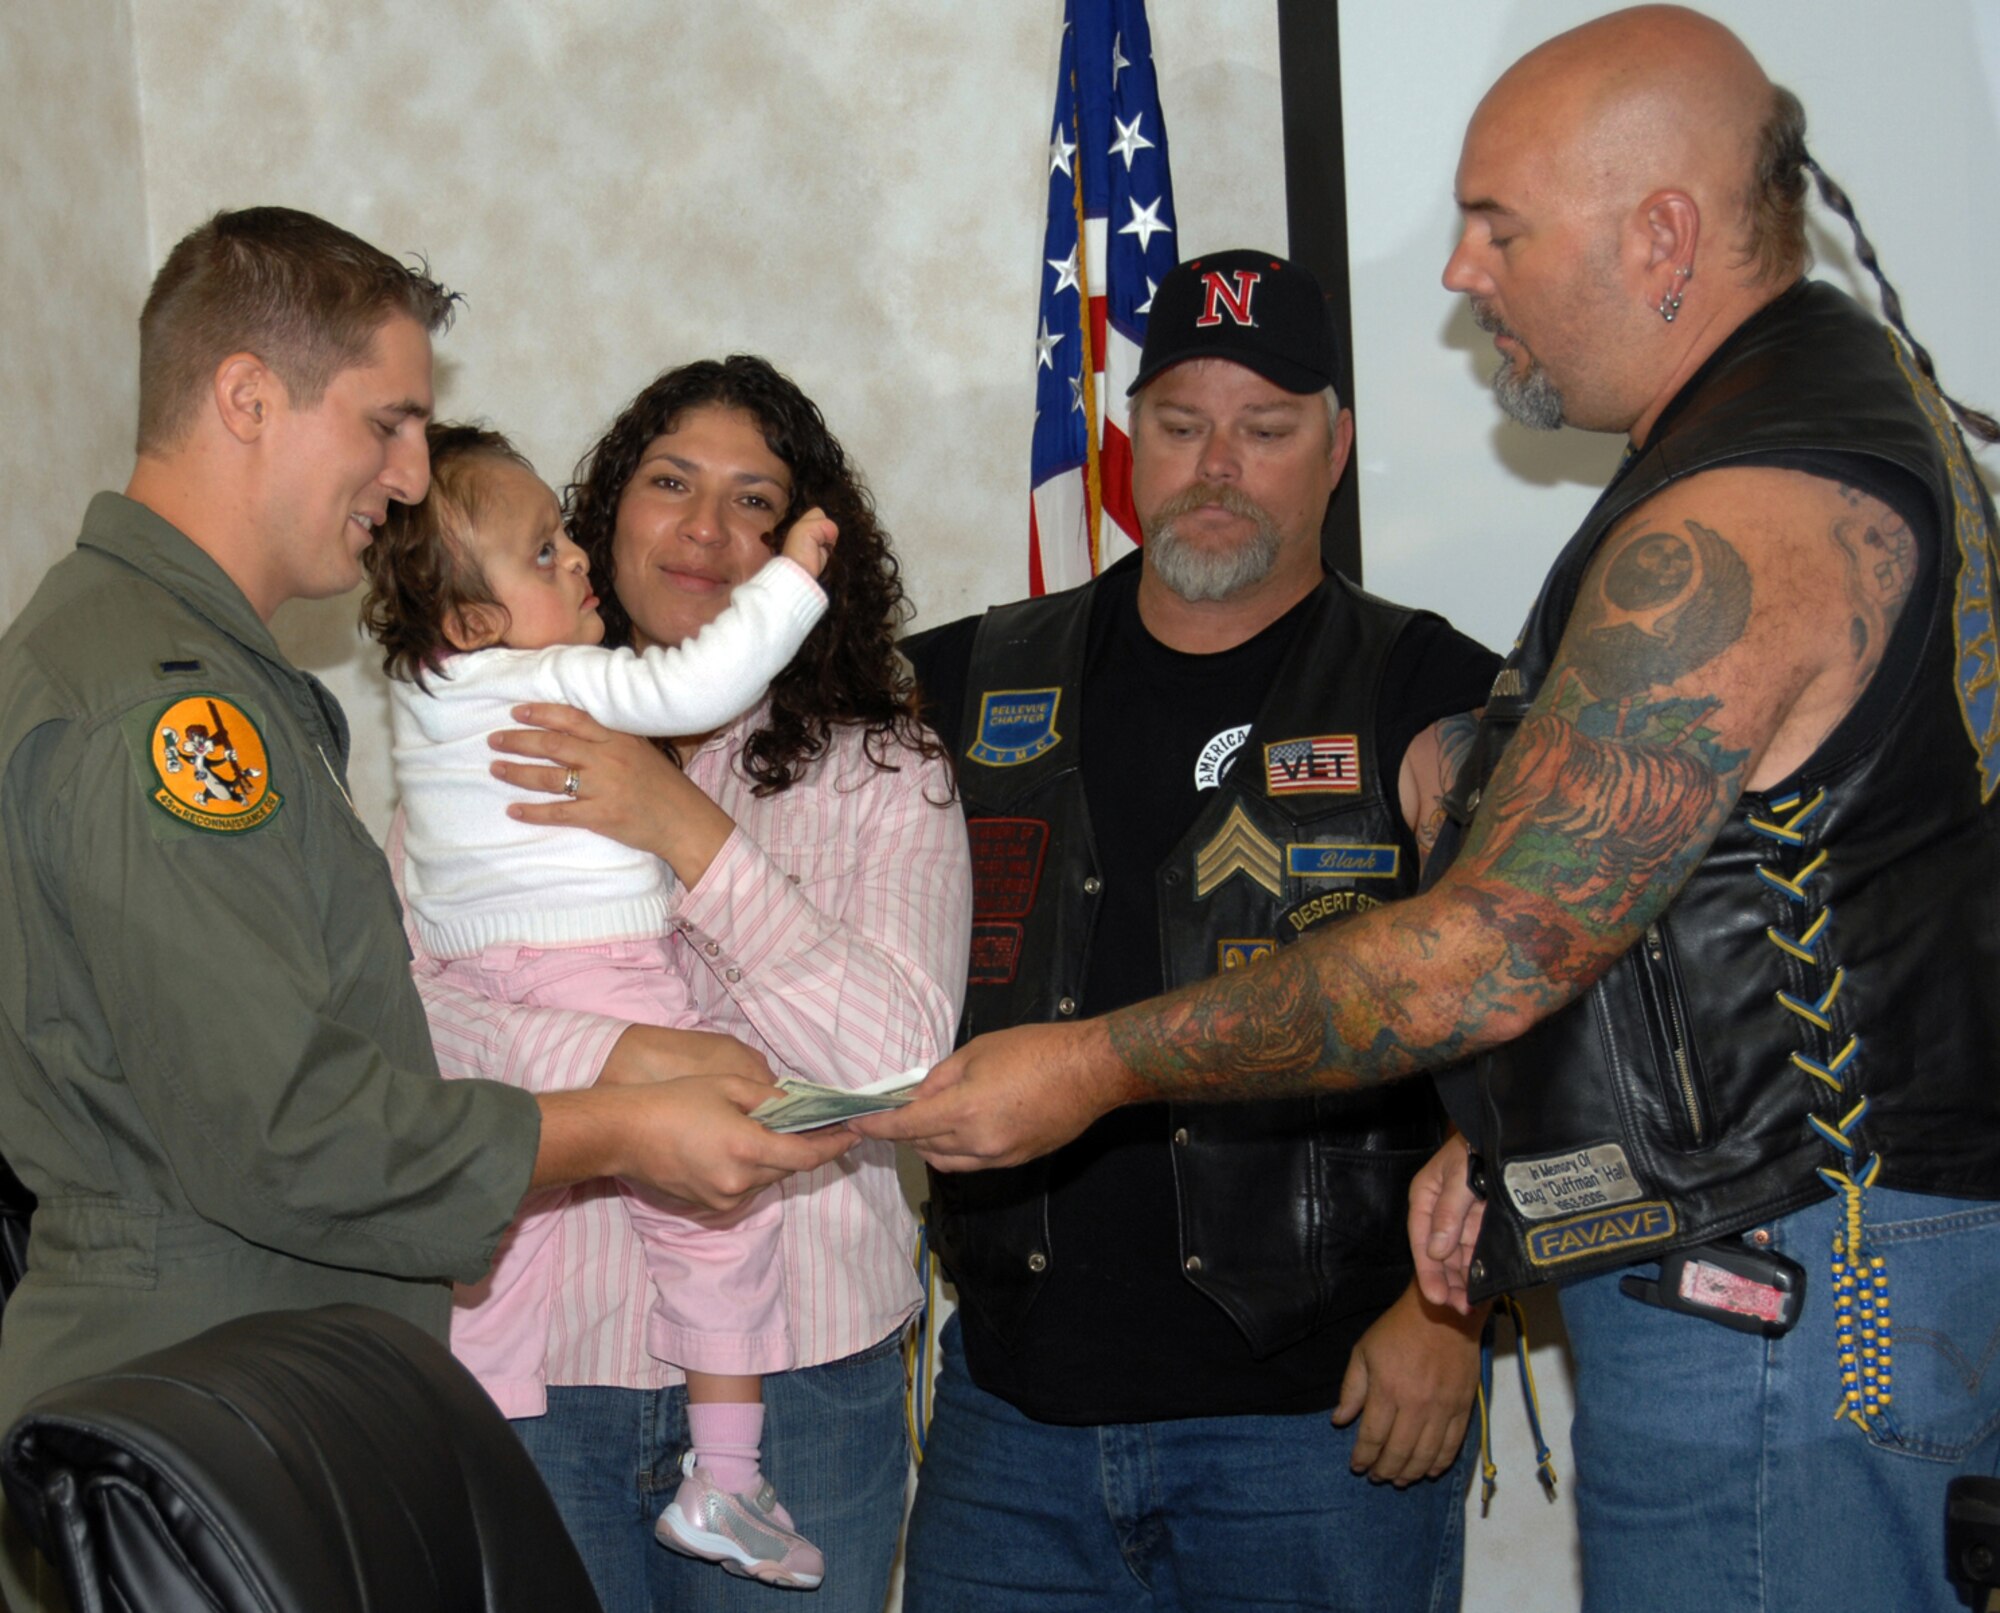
(806, 1105)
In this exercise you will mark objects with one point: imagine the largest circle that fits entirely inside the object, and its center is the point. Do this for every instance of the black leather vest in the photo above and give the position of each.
(1291, 1212)
(1840, 941)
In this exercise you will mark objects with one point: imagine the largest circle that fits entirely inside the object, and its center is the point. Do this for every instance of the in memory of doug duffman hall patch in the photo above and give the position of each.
(210, 768)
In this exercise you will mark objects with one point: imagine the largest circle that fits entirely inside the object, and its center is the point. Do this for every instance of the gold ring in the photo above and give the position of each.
(571, 780)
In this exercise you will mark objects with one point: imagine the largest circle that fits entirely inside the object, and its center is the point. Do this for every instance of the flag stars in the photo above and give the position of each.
(1146, 307)
(1060, 152)
(1130, 141)
(1118, 62)
(1146, 222)
(1045, 347)
(1076, 394)
(1065, 269)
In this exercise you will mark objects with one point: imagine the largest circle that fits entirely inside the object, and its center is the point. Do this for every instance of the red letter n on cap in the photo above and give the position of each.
(1216, 297)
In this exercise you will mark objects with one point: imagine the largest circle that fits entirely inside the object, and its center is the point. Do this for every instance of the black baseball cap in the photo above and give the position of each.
(1251, 308)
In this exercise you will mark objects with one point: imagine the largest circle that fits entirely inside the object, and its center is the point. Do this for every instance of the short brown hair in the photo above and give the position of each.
(302, 294)
(421, 567)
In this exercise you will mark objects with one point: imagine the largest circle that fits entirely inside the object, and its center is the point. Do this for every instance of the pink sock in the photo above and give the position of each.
(727, 1435)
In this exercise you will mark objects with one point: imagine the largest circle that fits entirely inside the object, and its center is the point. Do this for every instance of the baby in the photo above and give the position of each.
(480, 603)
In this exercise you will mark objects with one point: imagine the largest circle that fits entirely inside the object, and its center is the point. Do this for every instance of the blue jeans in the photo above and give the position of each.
(1710, 1472)
(1202, 1512)
(835, 1447)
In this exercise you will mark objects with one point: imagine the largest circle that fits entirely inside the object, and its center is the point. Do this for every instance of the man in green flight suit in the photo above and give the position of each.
(214, 1069)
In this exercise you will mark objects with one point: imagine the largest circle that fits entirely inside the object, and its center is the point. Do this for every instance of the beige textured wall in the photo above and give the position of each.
(72, 271)
(854, 191)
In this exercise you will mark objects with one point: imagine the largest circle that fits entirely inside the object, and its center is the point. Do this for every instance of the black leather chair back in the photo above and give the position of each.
(327, 1461)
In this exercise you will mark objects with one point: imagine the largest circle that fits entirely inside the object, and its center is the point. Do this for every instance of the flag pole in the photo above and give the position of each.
(1093, 487)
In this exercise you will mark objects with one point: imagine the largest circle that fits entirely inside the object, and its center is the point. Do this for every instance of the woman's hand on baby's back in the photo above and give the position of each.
(645, 1054)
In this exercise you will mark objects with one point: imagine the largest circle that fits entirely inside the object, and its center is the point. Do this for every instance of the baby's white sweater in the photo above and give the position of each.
(478, 878)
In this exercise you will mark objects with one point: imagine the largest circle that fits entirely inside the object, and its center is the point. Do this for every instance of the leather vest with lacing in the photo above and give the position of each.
(1822, 999)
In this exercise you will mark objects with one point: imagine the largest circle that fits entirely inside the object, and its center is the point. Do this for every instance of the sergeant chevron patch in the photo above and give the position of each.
(1239, 848)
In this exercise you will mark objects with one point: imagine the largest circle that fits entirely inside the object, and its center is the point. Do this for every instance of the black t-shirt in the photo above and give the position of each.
(1117, 1333)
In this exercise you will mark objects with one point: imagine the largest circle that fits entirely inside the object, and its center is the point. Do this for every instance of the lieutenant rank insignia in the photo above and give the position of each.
(1321, 764)
(210, 766)
(1015, 726)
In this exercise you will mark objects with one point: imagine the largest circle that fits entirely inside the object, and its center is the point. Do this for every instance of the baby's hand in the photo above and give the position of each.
(811, 540)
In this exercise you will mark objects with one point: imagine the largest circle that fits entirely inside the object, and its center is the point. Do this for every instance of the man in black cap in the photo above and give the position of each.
(1211, 749)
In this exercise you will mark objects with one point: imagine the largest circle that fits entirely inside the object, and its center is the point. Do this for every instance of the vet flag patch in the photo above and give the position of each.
(1015, 726)
(210, 766)
(1321, 764)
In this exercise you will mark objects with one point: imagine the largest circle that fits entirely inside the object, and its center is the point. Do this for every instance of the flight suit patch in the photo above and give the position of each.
(205, 763)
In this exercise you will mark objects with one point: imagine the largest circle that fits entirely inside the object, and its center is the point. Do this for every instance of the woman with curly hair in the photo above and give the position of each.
(824, 921)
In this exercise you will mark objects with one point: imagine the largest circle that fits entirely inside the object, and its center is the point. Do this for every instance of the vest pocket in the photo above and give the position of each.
(1677, 1066)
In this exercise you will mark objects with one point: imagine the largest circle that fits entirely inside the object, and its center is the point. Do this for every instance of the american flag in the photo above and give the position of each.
(1110, 240)
(1324, 764)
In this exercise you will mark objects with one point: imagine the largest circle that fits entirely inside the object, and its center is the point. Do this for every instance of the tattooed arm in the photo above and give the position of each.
(1430, 768)
(1719, 634)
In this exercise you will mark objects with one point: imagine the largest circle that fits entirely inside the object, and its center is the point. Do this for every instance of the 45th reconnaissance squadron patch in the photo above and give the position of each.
(210, 766)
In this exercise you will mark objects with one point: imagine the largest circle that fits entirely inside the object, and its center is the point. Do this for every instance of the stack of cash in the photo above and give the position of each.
(806, 1105)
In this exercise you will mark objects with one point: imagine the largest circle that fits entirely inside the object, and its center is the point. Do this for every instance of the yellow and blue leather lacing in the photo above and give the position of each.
(1545, 1465)
(1860, 1276)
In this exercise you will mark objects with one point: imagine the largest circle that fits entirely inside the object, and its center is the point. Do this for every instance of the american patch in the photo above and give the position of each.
(1343, 859)
(1241, 954)
(1015, 726)
(1321, 764)
(210, 765)
(1007, 855)
(1212, 766)
(996, 952)
(1238, 848)
(1591, 1178)
(1602, 1230)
